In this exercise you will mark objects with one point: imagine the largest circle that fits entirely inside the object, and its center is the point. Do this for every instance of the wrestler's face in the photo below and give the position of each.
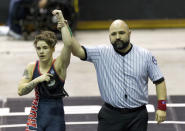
(44, 51)
(119, 35)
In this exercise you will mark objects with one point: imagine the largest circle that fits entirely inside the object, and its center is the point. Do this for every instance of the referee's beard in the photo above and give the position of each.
(119, 45)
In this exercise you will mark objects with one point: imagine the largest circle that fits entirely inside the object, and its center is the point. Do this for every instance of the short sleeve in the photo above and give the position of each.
(92, 53)
(153, 70)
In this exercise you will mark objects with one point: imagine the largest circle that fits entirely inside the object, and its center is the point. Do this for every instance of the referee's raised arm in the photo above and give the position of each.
(77, 49)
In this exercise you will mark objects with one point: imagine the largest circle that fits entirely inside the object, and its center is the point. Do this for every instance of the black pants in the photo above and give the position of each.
(113, 120)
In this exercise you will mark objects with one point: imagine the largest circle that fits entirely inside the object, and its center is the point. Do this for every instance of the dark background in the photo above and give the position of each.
(131, 9)
(98, 10)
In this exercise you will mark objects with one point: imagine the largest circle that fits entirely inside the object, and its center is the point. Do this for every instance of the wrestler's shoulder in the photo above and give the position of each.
(30, 66)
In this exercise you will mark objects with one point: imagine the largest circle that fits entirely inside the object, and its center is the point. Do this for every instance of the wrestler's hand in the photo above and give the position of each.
(60, 18)
(160, 116)
(59, 15)
(45, 77)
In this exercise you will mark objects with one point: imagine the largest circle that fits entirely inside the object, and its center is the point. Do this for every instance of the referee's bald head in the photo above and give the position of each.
(118, 24)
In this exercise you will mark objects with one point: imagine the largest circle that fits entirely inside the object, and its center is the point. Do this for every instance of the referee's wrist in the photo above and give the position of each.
(162, 105)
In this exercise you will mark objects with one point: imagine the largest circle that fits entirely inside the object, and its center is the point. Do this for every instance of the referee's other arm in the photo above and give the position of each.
(161, 95)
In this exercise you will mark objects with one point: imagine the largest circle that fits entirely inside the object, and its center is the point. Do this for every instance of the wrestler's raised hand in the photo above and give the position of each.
(60, 18)
(59, 15)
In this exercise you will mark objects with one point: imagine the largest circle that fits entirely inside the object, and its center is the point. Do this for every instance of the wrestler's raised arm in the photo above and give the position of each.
(63, 60)
(77, 50)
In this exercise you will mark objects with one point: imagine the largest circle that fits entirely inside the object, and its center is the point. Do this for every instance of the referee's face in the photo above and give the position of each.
(119, 30)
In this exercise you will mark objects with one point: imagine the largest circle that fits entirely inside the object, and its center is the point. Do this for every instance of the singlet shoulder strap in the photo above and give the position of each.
(53, 61)
(53, 66)
(36, 65)
(35, 69)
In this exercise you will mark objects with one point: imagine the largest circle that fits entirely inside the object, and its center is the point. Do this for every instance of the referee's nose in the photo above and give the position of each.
(117, 36)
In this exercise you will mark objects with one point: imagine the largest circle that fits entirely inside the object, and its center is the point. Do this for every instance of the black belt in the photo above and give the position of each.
(125, 110)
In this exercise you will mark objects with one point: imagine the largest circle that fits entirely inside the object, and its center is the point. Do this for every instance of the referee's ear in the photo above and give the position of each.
(129, 33)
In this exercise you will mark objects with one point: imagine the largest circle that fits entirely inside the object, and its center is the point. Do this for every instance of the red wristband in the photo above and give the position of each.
(162, 105)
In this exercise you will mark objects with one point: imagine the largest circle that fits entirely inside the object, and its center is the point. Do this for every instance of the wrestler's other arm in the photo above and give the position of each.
(26, 84)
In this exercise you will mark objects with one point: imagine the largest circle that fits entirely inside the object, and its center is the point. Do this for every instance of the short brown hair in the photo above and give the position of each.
(48, 36)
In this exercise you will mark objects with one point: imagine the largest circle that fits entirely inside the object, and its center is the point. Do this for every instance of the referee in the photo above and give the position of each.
(123, 70)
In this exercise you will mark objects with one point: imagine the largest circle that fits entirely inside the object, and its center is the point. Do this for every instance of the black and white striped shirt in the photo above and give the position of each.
(123, 79)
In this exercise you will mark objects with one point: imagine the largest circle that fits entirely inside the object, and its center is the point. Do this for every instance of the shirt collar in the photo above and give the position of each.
(123, 54)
